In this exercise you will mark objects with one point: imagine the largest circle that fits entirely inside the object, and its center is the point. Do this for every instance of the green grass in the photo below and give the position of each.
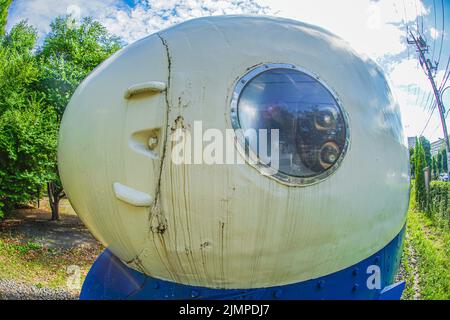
(426, 258)
(408, 269)
(43, 267)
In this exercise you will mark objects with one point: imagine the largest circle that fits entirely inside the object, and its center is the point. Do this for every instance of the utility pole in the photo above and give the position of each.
(422, 47)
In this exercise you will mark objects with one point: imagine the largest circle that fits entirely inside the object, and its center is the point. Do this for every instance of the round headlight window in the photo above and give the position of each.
(311, 127)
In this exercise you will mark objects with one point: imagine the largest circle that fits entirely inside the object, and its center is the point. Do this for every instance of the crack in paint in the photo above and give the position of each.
(158, 222)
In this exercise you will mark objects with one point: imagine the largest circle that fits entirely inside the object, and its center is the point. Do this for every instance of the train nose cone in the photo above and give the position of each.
(230, 225)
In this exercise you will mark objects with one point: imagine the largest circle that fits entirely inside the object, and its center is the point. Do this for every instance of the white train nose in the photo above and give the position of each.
(229, 226)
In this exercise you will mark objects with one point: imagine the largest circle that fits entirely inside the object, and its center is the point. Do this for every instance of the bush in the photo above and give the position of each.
(438, 203)
(27, 151)
(420, 164)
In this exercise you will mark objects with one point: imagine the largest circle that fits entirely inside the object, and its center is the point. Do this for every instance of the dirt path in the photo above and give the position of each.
(29, 271)
(415, 271)
(32, 224)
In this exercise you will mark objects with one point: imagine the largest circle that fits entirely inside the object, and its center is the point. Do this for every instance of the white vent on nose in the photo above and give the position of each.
(132, 196)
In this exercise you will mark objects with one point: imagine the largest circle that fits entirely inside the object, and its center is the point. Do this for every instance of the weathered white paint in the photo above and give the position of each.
(146, 87)
(227, 226)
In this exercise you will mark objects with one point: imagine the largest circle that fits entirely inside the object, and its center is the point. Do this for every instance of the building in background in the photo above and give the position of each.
(436, 146)
(411, 142)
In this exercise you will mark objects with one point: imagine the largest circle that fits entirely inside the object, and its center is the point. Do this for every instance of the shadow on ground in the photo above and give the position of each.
(34, 225)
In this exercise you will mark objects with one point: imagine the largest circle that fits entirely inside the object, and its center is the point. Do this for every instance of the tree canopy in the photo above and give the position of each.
(28, 130)
(4, 5)
(19, 69)
(36, 85)
(69, 53)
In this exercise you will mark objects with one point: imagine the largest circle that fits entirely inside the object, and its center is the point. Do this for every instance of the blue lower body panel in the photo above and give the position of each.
(371, 278)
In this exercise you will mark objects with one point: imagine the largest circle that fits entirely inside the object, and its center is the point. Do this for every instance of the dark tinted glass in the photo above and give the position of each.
(311, 125)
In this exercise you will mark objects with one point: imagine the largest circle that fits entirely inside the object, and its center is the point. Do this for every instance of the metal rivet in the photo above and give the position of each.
(355, 271)
(194, 294)
(321, 284)
(277, 293)
(355, 287)
(377, 259)
(152, 142)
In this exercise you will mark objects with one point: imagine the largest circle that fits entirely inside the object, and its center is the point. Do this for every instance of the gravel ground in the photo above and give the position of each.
(14, 290)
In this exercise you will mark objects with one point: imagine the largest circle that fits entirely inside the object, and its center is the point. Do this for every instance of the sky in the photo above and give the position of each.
(376, 28)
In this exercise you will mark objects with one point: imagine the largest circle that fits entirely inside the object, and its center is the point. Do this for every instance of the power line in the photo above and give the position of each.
(435, 24)
(437, 127)
(429, 118)
(427, 65)
(442, 34)
(446, 74)
(429, 104)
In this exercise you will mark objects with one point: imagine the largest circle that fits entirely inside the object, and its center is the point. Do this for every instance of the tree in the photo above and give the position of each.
(27, 148)
(27, 130)
(443, 154)
(4, 6)
(440, 167)
(19, 68)
(35, 87)
(435, 167)
(427, 149)
(69, 53)
(411, 161)
(420, 163)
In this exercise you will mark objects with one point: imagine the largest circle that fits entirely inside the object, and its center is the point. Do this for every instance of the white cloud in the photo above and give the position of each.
(150, 16)
(414, 94)
(370, 27)
(434, 33)
(375, 28)
(39, 13)
(130, 24)
(408, 72)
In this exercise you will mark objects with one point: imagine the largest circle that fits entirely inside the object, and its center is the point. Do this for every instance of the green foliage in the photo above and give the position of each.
(443, 154)
(438, 207)
(440, 167)
(420, 163)
(434, 167)
(70, 52)
(4, 5)
(59, 79)
(27, 130)
(427, 149)
(36, 86)
(431, 257)
(28, 141)
(19, 69)
(412, 166)
(425, 258)
(29, 246)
